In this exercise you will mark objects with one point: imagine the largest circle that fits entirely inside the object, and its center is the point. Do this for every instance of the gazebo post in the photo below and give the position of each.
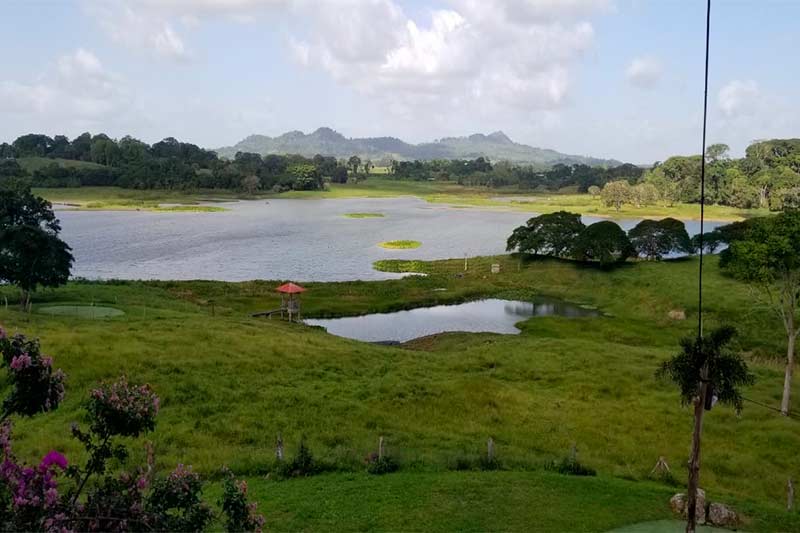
(290, 300)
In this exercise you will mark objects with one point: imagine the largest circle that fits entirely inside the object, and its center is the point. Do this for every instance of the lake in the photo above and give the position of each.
(490, 315)
(302, 240)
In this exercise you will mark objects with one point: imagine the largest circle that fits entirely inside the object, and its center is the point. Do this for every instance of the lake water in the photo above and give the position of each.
(302, 240)
(490, 315)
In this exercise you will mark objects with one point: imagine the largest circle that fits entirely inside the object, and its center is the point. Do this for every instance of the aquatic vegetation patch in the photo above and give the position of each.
(400, 245)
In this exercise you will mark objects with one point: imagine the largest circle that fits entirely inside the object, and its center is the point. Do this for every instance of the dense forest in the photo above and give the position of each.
(767, 177)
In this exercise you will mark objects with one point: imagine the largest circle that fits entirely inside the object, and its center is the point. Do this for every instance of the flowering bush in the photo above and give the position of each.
(29, 496)
(121, 409)
(35, 386)
(241, 515)
(175, 502)
(30, 499)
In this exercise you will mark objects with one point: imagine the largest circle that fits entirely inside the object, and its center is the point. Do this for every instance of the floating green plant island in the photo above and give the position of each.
(400, 245)
(364, 215)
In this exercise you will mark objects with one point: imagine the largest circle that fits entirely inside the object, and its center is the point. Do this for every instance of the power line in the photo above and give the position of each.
(790, 414)
(703, 179)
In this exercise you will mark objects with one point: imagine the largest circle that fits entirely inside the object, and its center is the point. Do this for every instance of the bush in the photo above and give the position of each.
(240, 515)
(381, 465)
(122, 409)
(569, 466)
(36, 387)
(303, 464)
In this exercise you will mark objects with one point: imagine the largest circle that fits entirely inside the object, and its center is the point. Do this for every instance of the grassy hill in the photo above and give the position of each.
(229, 384)
(35, 163)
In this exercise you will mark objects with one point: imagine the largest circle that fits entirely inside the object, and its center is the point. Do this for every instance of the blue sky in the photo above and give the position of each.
(610, 78)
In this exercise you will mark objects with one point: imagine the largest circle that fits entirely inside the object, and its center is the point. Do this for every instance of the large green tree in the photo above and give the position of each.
(706, 371)
(551, 234)
(605, 242)
(31, 252)
(766, 254)
(653, 239)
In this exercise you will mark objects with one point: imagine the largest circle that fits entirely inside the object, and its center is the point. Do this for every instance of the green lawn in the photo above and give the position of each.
(229, 384)
(377, 187)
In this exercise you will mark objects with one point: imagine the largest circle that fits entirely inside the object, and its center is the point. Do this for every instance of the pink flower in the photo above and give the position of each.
(21, 361)
(53, 458)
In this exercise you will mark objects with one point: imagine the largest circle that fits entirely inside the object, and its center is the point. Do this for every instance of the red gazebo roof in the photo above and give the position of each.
(290, 288)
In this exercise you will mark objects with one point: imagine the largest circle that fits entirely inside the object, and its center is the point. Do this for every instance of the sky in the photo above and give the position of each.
(618, 79)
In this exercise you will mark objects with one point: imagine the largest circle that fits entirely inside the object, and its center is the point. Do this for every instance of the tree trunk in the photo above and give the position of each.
(694, 461)
(787, 379)
(25, 299)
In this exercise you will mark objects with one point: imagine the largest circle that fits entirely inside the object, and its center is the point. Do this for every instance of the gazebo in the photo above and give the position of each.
(290, 299)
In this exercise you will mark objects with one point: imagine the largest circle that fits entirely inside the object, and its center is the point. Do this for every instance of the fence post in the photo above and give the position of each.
(381, 449)
(279, 448)
(790, 495)
(490, 449)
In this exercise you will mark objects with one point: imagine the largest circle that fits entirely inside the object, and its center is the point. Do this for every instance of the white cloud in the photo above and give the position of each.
(738, 98)
(644, 72)
(509, 53)
(75, 92)
(138, 28)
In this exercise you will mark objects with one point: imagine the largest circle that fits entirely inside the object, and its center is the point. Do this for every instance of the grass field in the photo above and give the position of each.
(377, 187)
(32, 164)
(229, 384)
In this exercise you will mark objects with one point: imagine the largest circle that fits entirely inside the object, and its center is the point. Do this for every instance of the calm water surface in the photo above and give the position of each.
(302, 240)
(491, 315)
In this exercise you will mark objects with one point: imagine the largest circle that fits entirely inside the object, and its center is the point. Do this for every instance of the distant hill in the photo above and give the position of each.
(496, 146)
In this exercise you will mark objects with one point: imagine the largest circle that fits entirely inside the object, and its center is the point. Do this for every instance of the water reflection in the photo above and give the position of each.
(490, 315)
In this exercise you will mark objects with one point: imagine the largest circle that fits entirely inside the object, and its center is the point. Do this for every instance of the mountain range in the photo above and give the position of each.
(496, 146)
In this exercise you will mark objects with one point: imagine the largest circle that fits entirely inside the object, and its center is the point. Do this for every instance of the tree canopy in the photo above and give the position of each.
(31, 252)
(765, 252)
(603, 241)
(552, 234)
(653, 239)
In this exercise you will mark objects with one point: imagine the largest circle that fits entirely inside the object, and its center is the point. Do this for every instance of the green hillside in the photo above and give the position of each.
(32, 164)
(229, 384)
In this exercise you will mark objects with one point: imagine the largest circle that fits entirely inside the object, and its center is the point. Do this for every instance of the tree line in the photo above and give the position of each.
(482, 172)
(564, 235)
(767, 177)
(167, 164)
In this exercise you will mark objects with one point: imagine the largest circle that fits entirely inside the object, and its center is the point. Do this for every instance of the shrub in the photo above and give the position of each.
(35, 386)
(381, 465)
(176, 504)
(240, 515)
(303, 464)
(569, 466)
(122, 409)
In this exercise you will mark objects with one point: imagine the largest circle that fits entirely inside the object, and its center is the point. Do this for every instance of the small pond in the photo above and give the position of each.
(490, 315)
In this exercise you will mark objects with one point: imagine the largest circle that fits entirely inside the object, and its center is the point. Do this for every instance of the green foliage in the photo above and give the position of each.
(727, 371)
(31, 251)
(302, 464)
(176, 503)
(550, 234)
(569, 466)
(381, 465)
(765, 250)
(654, 239)
(604, 242)
(616, 193)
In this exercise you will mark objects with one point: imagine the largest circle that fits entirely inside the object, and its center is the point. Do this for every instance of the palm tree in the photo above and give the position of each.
(706, 371)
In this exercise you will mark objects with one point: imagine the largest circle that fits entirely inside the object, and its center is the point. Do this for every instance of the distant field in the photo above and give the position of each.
(432, 191)
(35, 163)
